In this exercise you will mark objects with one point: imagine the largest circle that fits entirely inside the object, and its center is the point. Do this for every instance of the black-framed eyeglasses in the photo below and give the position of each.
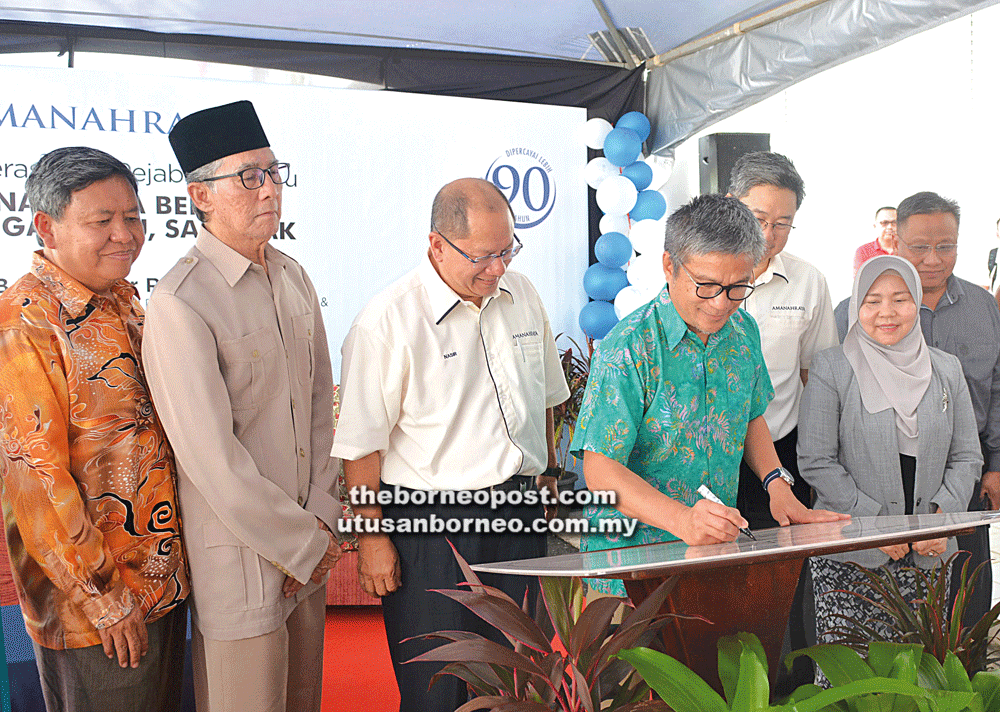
(253, 178)
(778, 228)
(710, 290)
(506, 256)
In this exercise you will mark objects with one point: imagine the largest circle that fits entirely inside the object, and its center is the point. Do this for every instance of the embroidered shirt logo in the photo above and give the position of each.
(451, 354)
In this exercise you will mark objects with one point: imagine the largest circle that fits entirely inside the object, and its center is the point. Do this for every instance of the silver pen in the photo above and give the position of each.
(708, 494)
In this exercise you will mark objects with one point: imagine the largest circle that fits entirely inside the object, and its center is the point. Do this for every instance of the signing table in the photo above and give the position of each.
(740, 586)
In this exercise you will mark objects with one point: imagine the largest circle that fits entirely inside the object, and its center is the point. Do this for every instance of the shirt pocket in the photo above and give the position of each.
(529, 360)
(235, 582)
(302, 330)
(248, 363)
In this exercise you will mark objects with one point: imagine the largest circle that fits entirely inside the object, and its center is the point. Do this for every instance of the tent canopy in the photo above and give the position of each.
(706, 60)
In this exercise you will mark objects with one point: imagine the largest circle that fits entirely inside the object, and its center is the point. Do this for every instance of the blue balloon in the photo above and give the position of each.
(613, 249)
(640, 173)
(649, 205)
(622, 147)
(597, 319)
(636, 121)
(603, 282)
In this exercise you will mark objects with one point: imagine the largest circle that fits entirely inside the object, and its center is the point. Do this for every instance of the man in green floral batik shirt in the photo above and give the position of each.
(677, 393)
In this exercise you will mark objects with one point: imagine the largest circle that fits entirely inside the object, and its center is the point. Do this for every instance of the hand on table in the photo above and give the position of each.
(708, 522)
(787, 509)
(895, 551)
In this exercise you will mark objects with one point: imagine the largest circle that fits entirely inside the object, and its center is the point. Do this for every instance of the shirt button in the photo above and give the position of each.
(293, 403)
(300, 501)
(256, 353)
(302, 453)
(309, 331)
(188, 261)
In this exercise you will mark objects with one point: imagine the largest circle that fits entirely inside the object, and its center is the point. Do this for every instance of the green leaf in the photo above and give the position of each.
(882, 655)
(674, 682)
(752, 690)
(839, 663)
(870, 686)
(904, 667)
(730, 650)
(930, 674)
(955, 674)
(987, 684)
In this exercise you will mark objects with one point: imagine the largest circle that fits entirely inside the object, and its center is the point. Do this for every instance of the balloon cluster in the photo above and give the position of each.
(621, 281)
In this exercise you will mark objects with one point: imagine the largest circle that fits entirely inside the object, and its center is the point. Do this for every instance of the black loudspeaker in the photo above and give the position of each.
(718, 152)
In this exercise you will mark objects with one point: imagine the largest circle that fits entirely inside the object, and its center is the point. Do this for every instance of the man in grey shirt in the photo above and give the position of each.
(963, 319)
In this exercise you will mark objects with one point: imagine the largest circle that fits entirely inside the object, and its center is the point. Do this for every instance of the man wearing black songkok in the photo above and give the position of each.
(240, 374)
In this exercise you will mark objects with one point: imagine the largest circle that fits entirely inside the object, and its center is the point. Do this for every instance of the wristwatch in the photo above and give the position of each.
(775, 474)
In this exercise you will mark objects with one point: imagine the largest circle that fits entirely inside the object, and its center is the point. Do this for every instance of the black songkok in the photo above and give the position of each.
(211, 134)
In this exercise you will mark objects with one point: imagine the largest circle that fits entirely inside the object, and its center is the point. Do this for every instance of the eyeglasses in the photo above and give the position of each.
(778, 228)
(947, 249)
(506, 256)
(253, 178)
(710, 290)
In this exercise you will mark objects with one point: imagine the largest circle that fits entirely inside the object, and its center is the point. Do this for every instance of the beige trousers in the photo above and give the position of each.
(280, 671)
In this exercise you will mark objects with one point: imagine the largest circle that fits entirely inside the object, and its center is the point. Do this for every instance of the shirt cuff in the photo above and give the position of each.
(104, 611)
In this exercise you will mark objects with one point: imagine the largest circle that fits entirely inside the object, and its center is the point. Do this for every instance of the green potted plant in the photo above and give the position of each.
(743, 671)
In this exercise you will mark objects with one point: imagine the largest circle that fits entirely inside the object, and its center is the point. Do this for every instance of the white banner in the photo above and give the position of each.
(365, 166)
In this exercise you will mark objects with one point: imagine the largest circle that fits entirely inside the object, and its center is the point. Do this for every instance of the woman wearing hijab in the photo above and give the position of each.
(886, 427)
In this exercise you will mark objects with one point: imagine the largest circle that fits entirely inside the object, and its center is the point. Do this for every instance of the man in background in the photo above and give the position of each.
(885, 237)
(88, 477)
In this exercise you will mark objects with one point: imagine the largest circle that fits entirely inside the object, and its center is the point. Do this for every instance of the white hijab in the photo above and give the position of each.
(890, 376)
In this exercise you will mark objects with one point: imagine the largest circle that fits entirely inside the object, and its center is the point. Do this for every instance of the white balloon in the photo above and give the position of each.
(646, 272)
(614, 223)
(647, 236)
(594, 133)
(662, 168)
(627, 301)
(597, 170)
(616, 195)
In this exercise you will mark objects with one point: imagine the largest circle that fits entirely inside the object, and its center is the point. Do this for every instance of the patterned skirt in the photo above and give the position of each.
(832, 582)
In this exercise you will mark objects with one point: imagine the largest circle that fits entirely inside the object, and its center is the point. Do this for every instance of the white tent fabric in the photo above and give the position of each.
(688, 93)
(692, 92)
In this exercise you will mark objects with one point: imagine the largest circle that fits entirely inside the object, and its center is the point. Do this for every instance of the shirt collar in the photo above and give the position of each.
(72, 294)
(775, 268)
(230, 263)
(953, 291)
(443, 298)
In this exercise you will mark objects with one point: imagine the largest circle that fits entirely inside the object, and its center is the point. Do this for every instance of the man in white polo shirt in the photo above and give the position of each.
(448, 381)
(791, 303)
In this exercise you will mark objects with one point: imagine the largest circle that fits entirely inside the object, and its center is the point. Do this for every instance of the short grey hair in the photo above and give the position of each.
(713, 223)
(60, 173)
(200, 175)
(766, 168)
(925, 203)
(450, 208)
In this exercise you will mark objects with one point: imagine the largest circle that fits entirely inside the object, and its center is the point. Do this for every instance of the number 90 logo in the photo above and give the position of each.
(527, 187)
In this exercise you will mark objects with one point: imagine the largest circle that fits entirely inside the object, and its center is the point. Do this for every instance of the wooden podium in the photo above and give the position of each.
(740, 586)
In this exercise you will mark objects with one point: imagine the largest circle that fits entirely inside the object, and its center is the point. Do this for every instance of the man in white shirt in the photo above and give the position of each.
(448, 381)
(791, 303)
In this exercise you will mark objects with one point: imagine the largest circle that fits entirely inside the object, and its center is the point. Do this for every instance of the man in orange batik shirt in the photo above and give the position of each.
(89, 497)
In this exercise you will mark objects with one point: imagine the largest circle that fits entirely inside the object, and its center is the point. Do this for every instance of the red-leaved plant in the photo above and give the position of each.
(582, 674)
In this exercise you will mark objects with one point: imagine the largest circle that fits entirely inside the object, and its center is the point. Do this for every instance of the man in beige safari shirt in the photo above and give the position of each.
(240, 373)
